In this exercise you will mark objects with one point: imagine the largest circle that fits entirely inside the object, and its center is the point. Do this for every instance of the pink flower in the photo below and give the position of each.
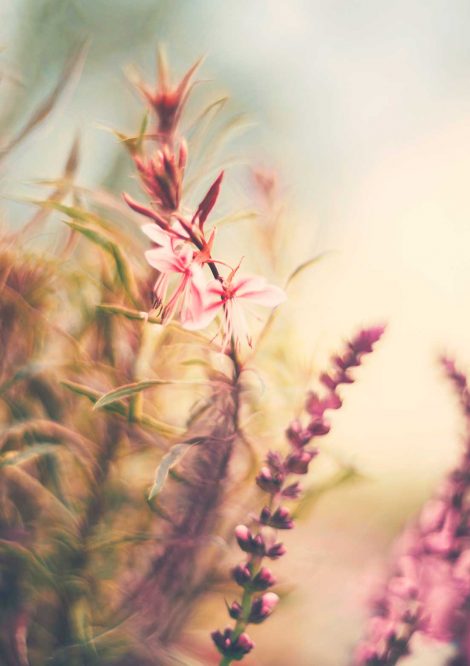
(232, 295)
(174, 257)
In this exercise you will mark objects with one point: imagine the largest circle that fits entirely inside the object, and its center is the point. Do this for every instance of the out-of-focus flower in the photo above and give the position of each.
(429, 589)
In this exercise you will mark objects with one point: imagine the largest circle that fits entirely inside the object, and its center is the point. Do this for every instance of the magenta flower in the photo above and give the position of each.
(232, 295)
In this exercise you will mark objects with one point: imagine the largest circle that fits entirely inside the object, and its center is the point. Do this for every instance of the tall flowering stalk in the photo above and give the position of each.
(278, 480)
(429, 589)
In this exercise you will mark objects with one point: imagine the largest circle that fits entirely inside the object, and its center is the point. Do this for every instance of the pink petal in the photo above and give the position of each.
(256, 290)
(156, 234)
(163, 259)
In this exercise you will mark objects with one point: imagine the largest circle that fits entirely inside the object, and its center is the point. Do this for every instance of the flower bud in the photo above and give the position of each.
(281, 519)
(262, 607)
(241, 574)
(275, 462)
(293, 491)
(235, 610)
(229, 647)
(318, 428)
(276, 551)
(268, 481)
(297, 435)
(263, 579)
(248, 542)
(299, 461)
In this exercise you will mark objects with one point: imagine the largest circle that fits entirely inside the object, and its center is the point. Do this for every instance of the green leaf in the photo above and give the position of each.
(302, 267)
(128, 313)
(15, 457)
(136, 387)
(123, 269)
(173, 456)
(119, 408)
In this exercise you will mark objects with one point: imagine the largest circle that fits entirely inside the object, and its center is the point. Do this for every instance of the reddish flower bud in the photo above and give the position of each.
(328, 381)
(333, 401)
(299, 461)
(263, 579)
(363, 342)
(230, 647)
(262, 607)
(241, 574)
(248, 542)
(269, 482)
(319, 427)
(235, 610)
(280, 519)
(297, 435)
(208, 203)
(293, 491)
(314, 404)
(276, 551)
(275, 462)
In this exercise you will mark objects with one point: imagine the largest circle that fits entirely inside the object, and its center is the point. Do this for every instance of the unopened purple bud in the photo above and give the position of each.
(363, 342)
(297, 434)
(319, 428)
(262, 607)
(299, 461)
(314, 404)
(276, 551)
(263, 579)
(249, 543)
(274, 461)
(265, 516)
(281, 519)
(333, 401)
(241, 574)
(328, 381)
(293, 491)
(235, 610)
(269, 481)
(245, 643)
(344, 378)
(226, 645)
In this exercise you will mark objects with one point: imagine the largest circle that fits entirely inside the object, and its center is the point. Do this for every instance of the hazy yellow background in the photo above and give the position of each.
(364, 109)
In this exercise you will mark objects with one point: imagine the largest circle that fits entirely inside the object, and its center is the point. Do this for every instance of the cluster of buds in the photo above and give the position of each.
(429, 589)
(181, 248)
(277, 479)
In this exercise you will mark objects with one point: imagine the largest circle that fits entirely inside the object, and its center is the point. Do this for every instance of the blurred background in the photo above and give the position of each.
(362, 109)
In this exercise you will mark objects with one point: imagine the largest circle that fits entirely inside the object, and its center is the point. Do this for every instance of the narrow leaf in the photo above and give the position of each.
(302, 267)
(128, 313)
(168, 461)
(15, 457)
(164, 429)
(122, 267)
(136, 387)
